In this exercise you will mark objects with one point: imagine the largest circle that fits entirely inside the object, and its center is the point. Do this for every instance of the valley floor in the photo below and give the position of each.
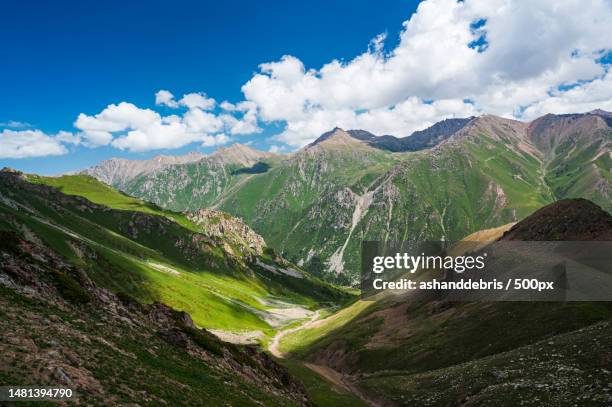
(336, 382)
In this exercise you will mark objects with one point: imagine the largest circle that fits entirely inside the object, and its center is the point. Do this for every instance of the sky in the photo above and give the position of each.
(84, 81)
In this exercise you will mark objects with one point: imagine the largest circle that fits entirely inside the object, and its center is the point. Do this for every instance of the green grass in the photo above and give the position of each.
(321, 392)
(159, 262)
(564, 370)
(299, 342)
(100, 193)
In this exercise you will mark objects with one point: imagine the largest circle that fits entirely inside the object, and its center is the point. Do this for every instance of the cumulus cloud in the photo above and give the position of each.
(98, 129)
(190, 100)
(128, 127)
(453, 59)
(590, 96)
(165, 98)
(197, 101)
(31, 143)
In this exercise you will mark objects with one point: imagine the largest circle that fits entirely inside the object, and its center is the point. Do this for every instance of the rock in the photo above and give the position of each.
(499, 375)
(174, 337)
(185, 319)
(12, 340)
(60, 374)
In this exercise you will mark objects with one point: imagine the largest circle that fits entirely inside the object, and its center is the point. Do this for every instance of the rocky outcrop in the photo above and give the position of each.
(233, 231)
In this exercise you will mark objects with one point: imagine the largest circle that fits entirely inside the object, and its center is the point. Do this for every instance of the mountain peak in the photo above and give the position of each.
(333, 139)
(601, 112)
(117, 171)
(178, 159)
(239, 154)
(512, 132)
(235, 148)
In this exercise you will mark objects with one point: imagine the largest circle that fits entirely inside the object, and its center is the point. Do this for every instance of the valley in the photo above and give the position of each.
(236, 270)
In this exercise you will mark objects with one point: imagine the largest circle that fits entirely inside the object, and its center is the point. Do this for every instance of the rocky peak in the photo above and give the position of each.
(118, 171)
(178, 159)
(239, 154)
(600, 112)
(550, 130)
(335, 139)
(509, 131)
(9, 170)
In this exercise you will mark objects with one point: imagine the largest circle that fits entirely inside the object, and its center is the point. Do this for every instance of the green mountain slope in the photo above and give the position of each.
(230, 282)
(61, 329)
(577, 155)
(317, 205)
(407, 350)
(198, 184)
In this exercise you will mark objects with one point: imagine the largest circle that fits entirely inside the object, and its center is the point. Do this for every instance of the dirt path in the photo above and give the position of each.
(339, 380)
(273, 348)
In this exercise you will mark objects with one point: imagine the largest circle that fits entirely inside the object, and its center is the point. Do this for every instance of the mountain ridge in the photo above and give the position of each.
(317, 204)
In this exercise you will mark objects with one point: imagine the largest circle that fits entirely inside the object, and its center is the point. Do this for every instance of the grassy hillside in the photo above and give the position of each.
(102, 194)
(61, 329)
(135, 248)
(547, 372)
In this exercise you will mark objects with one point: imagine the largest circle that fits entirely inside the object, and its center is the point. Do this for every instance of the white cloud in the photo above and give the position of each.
(215, 140)
(227, 106)
(247, 124)
(590, 96)
(98, 129)
(528, 49)
(405, 117)
(128, 127)
(68, 138)
(200, 121)
(190, 100)
(275, 148)
(197, 101)
(165, 98)
(30, 143)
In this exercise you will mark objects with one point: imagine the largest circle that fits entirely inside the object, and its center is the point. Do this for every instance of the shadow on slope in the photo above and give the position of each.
(423, 341)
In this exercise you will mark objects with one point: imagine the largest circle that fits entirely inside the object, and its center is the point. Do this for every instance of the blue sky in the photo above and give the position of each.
(67, 57)
(79, 79)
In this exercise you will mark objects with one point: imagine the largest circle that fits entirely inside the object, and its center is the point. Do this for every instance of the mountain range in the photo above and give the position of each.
(167, 292)
(316, 205)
